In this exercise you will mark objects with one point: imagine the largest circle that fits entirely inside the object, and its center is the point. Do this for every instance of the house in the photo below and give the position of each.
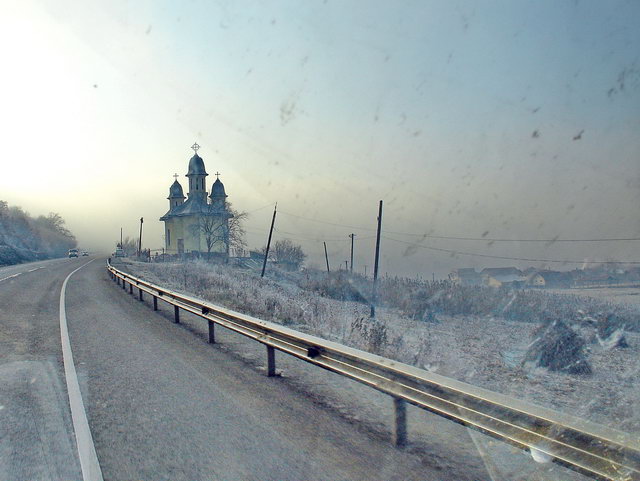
(503, 277)
(201, 223)
(551, 280)
(466, 277)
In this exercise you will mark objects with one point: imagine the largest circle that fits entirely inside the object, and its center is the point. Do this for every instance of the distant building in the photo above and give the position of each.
(466, 277)
(199, 224)
(501, 271)
(503, 277)
(551, 280)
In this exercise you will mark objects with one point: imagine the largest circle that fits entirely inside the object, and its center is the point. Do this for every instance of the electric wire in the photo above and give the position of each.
(490, 256)
(462, 238)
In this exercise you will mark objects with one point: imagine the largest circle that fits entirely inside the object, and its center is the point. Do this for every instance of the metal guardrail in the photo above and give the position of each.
(592, 449)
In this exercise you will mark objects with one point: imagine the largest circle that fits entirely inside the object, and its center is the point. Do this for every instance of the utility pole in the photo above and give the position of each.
(140, 239)
(346, 265)
(375, 266)
(121, 246)
(326, 257)
(352, 236)
(266, 254)
(365, 270)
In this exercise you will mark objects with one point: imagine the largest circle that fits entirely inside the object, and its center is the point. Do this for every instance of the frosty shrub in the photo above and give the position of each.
(369, 334)
(24, 238)
(424, 300)
(558, 348)
(336, 285)
(610, 331)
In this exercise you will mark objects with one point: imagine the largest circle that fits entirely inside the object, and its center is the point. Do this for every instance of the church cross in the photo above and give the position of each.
(195, 147)
(175, 176)
(217, 175)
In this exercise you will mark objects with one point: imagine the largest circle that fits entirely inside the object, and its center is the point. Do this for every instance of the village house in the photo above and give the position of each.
(503, 277)
(466, 277)
(551, 280)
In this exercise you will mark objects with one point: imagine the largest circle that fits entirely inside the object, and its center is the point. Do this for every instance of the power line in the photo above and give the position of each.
(318, 239)
(325, 222)
(461, 238)
(493, 239)
(260, 208)
(475, 254)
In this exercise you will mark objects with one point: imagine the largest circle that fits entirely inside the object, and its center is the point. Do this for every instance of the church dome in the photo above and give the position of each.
(176, 190)
(196, 166)
(218, 189)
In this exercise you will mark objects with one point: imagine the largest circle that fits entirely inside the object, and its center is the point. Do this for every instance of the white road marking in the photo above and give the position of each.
(9, 277)
(37, 268)
(86, 450)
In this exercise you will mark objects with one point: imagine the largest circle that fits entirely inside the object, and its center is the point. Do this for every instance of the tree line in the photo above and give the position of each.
(25, 238)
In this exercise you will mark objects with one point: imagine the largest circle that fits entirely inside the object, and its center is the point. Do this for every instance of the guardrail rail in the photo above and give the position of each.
(592, 449)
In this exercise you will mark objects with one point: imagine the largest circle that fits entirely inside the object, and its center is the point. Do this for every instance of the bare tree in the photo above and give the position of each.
(236, 230)
(221, 225)
(287, 254)
(54, 222)
(129, 246)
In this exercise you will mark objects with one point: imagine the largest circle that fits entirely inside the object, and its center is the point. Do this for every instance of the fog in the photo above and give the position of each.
(503, 120)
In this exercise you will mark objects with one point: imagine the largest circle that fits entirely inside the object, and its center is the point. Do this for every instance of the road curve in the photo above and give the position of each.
(161, 402)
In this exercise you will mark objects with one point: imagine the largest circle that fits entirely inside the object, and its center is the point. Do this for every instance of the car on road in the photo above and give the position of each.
(73, 252)
(120, 252)
(85, 253)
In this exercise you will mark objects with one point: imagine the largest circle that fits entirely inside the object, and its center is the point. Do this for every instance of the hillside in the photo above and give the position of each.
(24, 238)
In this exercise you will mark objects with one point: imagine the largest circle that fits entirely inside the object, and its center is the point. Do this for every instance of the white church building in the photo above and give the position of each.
(199, 224)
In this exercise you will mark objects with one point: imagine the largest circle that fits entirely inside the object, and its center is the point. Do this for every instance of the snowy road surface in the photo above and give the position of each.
(161, 403)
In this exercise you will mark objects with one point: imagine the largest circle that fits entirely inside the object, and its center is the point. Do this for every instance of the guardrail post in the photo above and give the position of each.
(130, 287)
(271, 361)
(212, 332)
(400, 423)
(176, 314)
(124, 284)
(155, 303)
(140, 293)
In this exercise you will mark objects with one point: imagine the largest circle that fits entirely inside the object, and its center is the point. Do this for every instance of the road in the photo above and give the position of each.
(161, 403)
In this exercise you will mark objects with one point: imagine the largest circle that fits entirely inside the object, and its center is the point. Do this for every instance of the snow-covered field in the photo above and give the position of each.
(620, 295)
(484, 351)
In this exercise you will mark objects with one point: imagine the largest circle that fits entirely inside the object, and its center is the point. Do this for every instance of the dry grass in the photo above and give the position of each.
(484, 350)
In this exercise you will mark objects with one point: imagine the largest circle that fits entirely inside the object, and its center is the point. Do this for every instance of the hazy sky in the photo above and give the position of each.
(508, 119)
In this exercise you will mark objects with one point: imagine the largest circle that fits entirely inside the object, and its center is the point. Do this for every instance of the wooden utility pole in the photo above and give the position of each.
(121, 246)
(266, 254)
(140, 239)
(352, 236)
(326, 257)
(346, 265)
(375, 266)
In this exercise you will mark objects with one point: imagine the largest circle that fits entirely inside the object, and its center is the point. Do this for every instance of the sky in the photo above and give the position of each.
(515, 120)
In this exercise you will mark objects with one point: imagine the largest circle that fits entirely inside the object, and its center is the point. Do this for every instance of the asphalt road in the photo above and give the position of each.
(162, 404)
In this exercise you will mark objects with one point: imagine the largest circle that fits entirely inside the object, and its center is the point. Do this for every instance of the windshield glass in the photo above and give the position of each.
(450, 185)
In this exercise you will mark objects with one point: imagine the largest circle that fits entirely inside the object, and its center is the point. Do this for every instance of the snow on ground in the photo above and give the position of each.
(619, 295)
(483, 351)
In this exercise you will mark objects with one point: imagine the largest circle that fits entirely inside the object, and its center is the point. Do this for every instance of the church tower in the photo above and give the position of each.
(197, 177)
(176, 196)
(218, 195)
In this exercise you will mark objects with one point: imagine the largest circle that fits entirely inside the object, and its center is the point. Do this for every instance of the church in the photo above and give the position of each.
(199, 224)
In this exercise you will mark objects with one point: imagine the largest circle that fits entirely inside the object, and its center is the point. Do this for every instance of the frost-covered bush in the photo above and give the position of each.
(559, 348)
(24, 238)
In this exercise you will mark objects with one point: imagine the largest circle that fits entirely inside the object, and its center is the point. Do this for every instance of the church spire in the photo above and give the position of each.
(197, 175)
(176, 195)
